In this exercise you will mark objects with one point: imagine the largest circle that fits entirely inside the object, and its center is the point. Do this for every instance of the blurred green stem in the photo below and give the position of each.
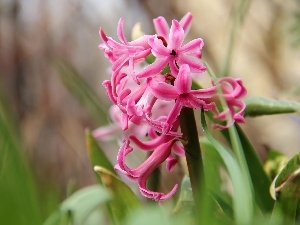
(193, 154)
(238, 18)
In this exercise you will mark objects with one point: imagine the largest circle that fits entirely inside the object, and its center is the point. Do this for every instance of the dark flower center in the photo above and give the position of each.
(173, 53)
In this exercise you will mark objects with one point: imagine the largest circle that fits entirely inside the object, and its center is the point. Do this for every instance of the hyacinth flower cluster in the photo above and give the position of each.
(148, 96)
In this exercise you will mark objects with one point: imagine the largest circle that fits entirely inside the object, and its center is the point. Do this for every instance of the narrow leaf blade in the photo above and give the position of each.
(96, 154)
(242, 200)
(260, 180)
(259, 106)
(124, 200)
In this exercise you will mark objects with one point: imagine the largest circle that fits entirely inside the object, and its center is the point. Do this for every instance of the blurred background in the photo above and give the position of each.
(51, 72)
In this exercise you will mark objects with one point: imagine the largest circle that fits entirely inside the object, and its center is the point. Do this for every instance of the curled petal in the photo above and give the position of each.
(232, 88)
(149, 145)
(103, 36)
(159, 155)
(123, 152)
(109, 90)
(156, 196)
(120, 31)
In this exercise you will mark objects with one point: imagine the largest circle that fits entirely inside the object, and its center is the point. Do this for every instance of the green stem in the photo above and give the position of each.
(238, 18)
(193, 154)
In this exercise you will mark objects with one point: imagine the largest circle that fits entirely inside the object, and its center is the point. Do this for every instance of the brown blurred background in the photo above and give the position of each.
(40, 39)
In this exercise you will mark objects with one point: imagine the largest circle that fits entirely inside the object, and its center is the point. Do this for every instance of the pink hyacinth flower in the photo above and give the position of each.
(174, 53)
(232, 90)
(182, 93)
(124, 53)
(142, 173)
(162, 27)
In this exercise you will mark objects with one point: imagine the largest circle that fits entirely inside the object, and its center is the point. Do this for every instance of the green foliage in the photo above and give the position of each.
(259, 106)
(285, 189)
(259, 179)
(81, 207)
(123, 199)
(242, 198)
(96, 154)
(19, 203)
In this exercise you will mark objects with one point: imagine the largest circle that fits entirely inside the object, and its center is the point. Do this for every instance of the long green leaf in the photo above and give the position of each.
(285, 188)
(96, 154)
(242, 200)
(19, 203)
(260, 180)
(259, 106)
(124, 200)
(98, 158)
(80, 206)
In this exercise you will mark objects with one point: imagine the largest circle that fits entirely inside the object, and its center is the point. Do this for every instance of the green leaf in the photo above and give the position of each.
(19, 203)
(154, 215)
(124, 200)
(259, 106)
(242, 197)
(96, 154)
(212, 166)
(80, 206)
(185, 202)
(285, 189)
(260, 180)
(82, 92)
(288, 173)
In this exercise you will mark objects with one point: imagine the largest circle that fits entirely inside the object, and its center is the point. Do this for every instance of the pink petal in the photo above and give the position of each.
(103, 36)
(157, 196)
(124, 121)
(106, 132)
(161, 27)
(120, 31)
(141, 41)
(149, 145)
(204, 93)
(195, 65)
(173, 67)
(158, 49)
(159, 155)
(193, 102)
(155, 68)
(174, 113)
(117, 65)
(176, 36)
(193, 46)
(123, 152)
(178, 149)
(109, 90)
(183, 81)
(162, 90)
(185, 22)
(170, 163)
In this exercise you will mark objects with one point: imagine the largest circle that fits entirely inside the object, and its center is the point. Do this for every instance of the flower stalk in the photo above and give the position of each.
(193, 153)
